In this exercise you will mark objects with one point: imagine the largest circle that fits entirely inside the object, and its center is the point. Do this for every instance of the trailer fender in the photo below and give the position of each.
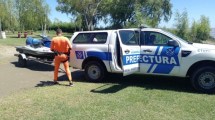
(23, 56)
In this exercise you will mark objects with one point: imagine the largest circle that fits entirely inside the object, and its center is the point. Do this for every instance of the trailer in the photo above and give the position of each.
(40, 54)
(36, 50)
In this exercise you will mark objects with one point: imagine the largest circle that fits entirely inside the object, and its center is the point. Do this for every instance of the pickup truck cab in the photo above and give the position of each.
(143, 51)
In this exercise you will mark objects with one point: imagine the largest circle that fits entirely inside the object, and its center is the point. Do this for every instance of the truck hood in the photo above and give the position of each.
(204, 46)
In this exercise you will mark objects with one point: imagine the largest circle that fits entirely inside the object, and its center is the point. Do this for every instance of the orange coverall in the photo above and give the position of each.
(61, 44)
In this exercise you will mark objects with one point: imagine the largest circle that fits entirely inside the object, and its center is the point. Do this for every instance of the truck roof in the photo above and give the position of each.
(147, 29)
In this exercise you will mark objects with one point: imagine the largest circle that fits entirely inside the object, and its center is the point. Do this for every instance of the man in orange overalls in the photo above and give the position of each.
(61, 46)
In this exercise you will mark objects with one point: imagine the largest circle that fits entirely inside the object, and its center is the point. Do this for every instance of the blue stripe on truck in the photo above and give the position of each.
(101, 55)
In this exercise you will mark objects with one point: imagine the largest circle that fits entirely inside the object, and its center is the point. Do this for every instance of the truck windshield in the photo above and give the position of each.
(129, 37)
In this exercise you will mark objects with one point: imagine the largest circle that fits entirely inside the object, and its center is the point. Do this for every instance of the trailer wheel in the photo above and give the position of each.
(203, 79)
(21, 61)
(95, 71)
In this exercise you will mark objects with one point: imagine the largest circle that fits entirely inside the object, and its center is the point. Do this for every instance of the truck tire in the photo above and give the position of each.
(203, 79)
(95, 71)
(21, 61)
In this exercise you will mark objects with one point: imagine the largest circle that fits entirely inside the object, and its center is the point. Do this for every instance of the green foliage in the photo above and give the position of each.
(32, 14)
(21, 15)
(66, 27)
(138, 16)
(7, 15)
(203, 29)
(120, 13)
(85, 11)
(133, 12)
(182, 24)
(200, 31)
(193, 32)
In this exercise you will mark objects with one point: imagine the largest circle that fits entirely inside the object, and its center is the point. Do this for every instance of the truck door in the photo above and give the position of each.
(156, 56)
(130, 51)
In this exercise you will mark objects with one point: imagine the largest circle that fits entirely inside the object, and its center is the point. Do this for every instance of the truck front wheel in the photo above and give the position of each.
(95, 71)
(203, 79)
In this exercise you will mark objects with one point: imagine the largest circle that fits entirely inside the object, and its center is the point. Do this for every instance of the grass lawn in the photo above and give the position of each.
(13, 40)
(127, 98)
(119, 98)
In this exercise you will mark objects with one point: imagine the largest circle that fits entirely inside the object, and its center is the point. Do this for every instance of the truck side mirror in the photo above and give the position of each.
(173, 43)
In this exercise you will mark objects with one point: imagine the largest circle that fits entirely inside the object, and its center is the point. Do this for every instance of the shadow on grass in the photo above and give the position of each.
(147, 82)
(77, 76)
(45, 83)
(116, 82)
(109, 88)
(49, 83)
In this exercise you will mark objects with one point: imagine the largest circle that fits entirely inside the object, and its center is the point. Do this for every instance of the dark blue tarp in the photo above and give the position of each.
(45, 41)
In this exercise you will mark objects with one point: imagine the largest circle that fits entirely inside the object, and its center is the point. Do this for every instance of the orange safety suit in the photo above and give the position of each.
(62, 46)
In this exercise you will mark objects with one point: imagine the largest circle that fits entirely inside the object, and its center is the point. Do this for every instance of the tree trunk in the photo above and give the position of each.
(44, 30)
(0, 26)
(90, 26)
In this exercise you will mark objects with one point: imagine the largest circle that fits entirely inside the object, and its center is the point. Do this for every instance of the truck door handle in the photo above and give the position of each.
(147, 50)
(127, 51)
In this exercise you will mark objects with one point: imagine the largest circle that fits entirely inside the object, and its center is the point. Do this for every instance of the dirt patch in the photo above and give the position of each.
(14, 78)
(7, 51)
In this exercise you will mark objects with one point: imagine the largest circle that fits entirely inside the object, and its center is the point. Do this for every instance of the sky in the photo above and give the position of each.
(56, 14)
(194, 8)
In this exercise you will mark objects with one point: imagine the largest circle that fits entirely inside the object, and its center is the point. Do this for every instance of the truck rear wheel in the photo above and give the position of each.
(203, 79)
(95, 71)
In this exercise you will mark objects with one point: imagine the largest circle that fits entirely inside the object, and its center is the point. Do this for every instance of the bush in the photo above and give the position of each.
(66, 27)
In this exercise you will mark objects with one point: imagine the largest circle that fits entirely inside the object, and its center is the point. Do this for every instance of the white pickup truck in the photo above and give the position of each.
(143, 51)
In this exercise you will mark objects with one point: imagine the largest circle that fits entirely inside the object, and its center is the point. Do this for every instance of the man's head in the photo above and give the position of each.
(59, 31)
(152, 38)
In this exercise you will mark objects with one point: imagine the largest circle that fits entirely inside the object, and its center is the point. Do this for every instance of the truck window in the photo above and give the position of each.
(128, 37)
(91, 38)
(155, 38)
(100, 37)
(82, 38)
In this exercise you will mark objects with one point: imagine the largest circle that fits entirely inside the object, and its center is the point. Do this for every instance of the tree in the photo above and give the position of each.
(2, 14)
(7, 16)
(118, 12)
(32, 14)
(182, 24)
(203, 30)
(198, 32)
(149, 12)
(88, 10)
(193, 32)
